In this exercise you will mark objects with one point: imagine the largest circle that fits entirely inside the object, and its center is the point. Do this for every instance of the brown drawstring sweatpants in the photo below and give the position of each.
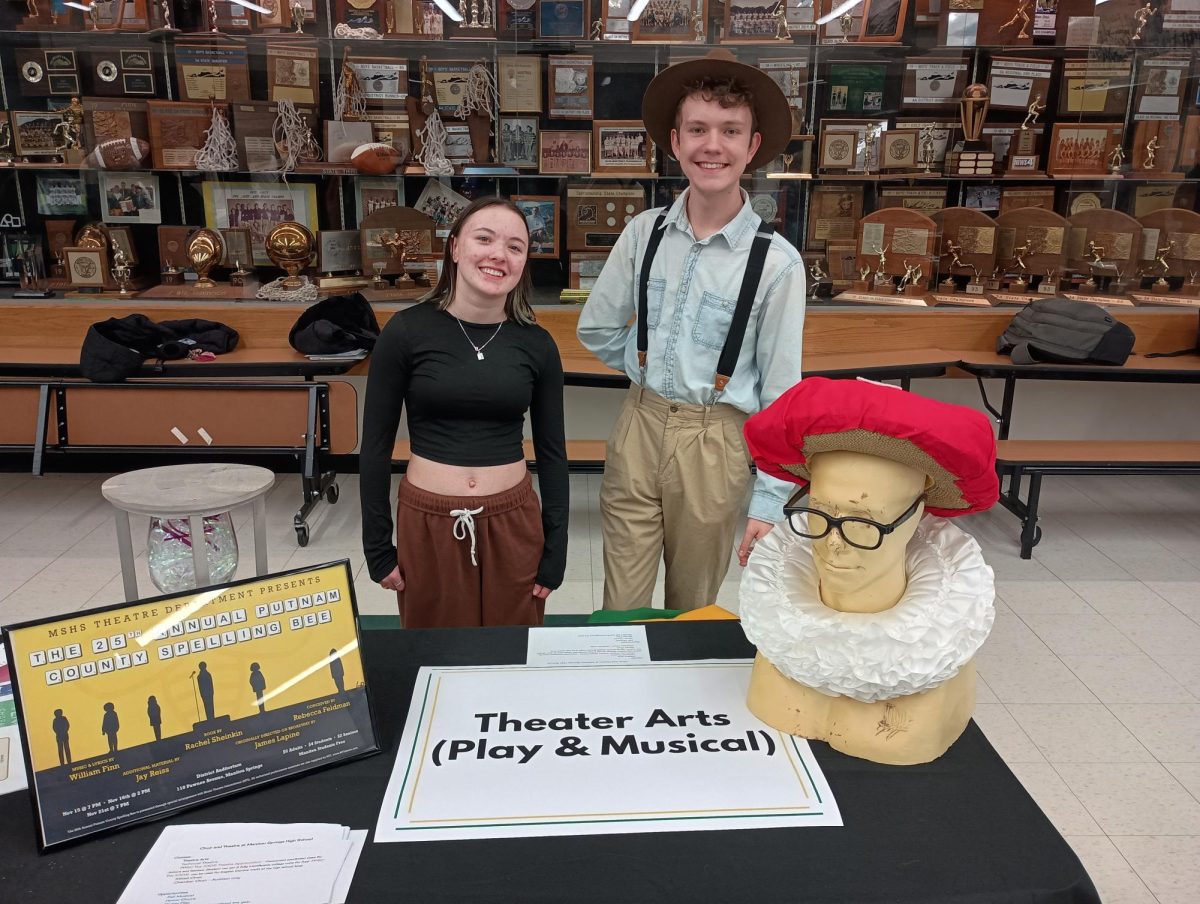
(469, 561)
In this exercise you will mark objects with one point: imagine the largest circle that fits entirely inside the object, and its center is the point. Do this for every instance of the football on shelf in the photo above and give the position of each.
(120, 154)
(375, 157)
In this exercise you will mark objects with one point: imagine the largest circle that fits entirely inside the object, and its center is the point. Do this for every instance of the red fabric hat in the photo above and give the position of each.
(951, 444)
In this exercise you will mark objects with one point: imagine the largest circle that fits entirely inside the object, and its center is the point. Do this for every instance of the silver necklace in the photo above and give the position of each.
(478, 348)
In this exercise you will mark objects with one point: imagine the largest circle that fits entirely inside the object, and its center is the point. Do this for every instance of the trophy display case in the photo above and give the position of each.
(971, 153)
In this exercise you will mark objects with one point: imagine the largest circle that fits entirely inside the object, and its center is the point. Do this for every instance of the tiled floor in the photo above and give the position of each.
(1090, 682)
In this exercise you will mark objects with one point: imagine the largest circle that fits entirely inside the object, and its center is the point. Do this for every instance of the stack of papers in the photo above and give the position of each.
(221, 863)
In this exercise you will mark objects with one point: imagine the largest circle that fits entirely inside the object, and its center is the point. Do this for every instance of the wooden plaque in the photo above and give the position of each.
(835, 209)
(621, 146)
(208, 70)
(177, 131)
(1171, 225)
(106, 120)
(901, 235)
(571, 87)
(1043, 231)
(1166, 137)
(1119, 234)
(1082, 149)
(1000, 23)
(120, 72)
(1014, 82)
(293, 72)
(882, 21)
(583, 267)
(898, 149)
(253, 130)
(974, 232)
(933, 83)
(389, 220)
(1094, 88)
(172, 242)
(1161, 83)
(596, 216)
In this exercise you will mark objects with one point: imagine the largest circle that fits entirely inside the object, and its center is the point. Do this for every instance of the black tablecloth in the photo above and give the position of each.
(961, 829)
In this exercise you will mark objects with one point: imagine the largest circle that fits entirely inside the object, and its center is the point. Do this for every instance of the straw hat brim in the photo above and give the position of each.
(771, 109)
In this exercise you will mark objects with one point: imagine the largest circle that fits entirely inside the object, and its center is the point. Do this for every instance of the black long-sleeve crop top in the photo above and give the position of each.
(463, 411)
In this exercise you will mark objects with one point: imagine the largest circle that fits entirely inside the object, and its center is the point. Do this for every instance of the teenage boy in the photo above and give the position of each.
(702, 305)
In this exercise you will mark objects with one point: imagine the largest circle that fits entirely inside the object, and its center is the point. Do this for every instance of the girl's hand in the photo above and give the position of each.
(394, 581)
(541, 592)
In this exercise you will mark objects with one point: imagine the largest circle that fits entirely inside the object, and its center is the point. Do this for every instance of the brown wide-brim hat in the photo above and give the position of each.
(771, 110)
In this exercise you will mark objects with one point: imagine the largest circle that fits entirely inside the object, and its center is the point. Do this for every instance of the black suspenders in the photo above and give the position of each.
(741, 315)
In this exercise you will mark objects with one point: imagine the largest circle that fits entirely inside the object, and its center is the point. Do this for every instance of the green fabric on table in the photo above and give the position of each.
(621, 616)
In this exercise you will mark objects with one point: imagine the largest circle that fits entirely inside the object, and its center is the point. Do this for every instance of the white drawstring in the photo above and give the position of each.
(465, 524)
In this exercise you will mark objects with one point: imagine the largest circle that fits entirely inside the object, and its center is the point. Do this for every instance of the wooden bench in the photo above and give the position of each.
(582, 454)
(1017, 458)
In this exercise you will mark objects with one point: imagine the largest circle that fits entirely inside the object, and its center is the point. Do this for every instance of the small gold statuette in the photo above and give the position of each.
(398, 244)
(1022, 16)
(1140, 18)
(69, 133)
(290, 247)
(1097, 253)
(204, 251)
(239, 274)
(1151, 151)
(121, 270)
(1116, 159)
(847, 23)
(1161, 261)
(1035, 108)
(298, 16)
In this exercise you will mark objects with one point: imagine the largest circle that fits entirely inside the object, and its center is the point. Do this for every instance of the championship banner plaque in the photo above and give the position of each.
(136, 711)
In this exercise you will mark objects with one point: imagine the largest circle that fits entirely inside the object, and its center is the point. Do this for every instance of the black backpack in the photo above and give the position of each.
(116, 348)
(335, 325)
(1059, 330)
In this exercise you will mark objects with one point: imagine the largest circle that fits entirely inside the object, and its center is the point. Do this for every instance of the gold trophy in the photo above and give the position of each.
(290, 247)
(204, 251)
(975, 158)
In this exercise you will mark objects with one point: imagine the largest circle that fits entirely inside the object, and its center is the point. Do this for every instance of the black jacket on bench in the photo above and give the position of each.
(116, 348)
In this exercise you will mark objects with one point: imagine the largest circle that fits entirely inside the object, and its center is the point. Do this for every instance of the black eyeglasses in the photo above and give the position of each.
(860, 532)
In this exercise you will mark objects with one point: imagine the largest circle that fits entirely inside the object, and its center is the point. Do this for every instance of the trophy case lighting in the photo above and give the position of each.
(192, 132)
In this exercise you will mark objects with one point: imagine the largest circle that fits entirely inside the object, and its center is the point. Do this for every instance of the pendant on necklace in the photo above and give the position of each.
(478, 354)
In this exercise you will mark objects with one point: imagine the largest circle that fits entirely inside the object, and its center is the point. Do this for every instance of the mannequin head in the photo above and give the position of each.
(856, 485)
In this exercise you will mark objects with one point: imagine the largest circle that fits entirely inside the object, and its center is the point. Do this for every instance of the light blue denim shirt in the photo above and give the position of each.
(692, 294)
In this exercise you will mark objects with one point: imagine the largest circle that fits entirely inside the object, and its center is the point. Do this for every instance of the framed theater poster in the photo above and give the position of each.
(138, 711)
(541, 215)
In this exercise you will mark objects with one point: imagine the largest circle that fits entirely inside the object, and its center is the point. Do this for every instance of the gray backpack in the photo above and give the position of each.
(1059, 330)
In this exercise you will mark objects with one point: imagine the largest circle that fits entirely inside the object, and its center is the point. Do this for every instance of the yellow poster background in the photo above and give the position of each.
(294, 662)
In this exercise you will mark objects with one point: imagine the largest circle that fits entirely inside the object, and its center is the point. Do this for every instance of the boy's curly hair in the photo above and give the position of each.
(727, 92)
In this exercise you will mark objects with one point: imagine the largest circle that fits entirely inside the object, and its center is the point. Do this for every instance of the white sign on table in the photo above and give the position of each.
(514, 751)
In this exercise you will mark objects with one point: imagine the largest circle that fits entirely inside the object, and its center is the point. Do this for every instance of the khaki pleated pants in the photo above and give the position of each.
(675, 489)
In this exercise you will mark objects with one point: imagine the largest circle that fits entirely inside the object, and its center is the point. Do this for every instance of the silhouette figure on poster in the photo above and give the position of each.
(62, 730)
(204, 682)
(258, 683)
(110, 726)
(154, 714)
(337, 671)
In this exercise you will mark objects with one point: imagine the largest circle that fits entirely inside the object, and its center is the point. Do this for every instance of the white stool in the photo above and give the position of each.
(192, 491)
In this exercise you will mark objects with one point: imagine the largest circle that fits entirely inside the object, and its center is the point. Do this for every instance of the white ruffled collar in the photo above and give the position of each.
(941, 621)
